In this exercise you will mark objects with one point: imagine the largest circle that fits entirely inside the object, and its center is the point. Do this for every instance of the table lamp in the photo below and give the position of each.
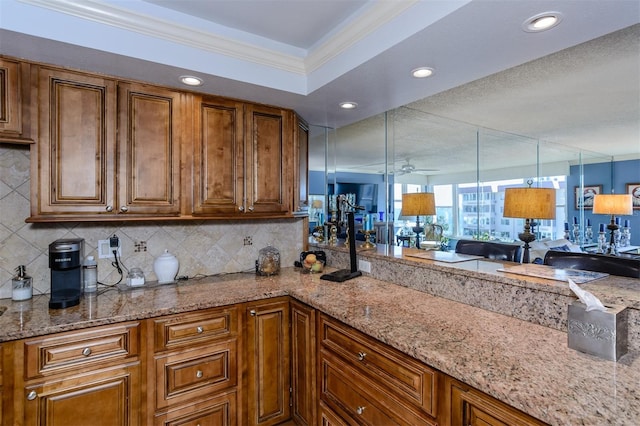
(529, 203)
(613, 204)
(418, 204)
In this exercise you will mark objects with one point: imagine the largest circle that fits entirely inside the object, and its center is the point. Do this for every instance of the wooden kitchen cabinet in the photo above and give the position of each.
(474, 408)
(150, 126)
(97, 159)
(303, 364)
(367, 382)
(269, 158)
(301, 178)
(73, 377)
(197, 367)
(73, 163)
(267, 362)
(242, 159)
(15, 102)
(219, 158)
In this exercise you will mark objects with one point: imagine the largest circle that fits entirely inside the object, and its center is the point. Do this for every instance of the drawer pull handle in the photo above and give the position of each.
(124, 209)
(86, 351)
(32, 395)
(199, 374)
(109, 208)
(360, 410)
(199, 330)
(252, 312)
(361, 356)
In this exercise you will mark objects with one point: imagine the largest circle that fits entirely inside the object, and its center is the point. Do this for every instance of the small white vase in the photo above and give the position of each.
(166, 267)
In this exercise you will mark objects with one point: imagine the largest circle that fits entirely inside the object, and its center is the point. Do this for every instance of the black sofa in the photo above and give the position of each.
(490, 249)
(613, 265)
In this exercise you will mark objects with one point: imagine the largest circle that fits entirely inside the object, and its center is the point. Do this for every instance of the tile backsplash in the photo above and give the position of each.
(202, 247)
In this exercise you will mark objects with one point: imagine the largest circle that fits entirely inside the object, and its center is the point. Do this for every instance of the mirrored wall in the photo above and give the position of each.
(468, 168)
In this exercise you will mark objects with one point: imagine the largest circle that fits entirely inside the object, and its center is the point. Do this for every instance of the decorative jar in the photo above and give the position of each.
(268, 262)
(166, 267)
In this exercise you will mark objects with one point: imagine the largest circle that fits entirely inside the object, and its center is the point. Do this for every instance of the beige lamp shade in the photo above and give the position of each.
(613, 204)
(418, 204)
(530, 203)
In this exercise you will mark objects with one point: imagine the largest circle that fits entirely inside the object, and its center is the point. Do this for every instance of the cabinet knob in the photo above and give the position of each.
(199, 330)
(124, 209)
(360, 410)
(86, 351)
(252, 312)
(32, 395)
(250, 208)
(241, 208)
(199, 374)
(109, 208)
(361, 356)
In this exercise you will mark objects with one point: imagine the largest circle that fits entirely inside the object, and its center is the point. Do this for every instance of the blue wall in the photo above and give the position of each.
(623, 172)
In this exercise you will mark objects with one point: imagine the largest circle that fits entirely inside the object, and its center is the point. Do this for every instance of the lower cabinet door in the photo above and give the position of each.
(268, 373)
(218, 411)
(105, 398)
(473, 408)
(328, 417)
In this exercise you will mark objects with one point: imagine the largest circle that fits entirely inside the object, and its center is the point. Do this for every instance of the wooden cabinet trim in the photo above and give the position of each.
(185, 375)
(199, 327)
(398, 372)
(70, 350)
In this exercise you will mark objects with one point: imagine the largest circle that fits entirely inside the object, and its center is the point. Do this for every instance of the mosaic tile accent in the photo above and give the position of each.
(202, 247)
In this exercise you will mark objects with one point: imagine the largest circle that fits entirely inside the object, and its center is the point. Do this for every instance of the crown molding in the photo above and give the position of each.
(379, 14)
(118, 17)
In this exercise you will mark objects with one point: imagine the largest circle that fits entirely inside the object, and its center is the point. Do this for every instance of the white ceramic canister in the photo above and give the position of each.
(166, 267)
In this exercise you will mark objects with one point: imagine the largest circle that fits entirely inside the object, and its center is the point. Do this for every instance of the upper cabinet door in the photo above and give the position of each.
(149, 139)
(301, 155)
(15, 124)
(269, 159)
(74, 160)
(218, 158)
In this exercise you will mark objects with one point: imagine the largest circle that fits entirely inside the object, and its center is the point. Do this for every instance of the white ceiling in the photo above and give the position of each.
(310, 55)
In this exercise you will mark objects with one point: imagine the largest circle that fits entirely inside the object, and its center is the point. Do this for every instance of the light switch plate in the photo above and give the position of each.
(364, 266)
(104, 250)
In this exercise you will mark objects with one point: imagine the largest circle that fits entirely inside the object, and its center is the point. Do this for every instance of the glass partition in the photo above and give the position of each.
(468, 168)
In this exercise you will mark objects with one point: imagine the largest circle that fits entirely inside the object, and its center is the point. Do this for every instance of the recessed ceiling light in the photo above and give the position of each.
(422, 72)
(348, 105)
(542, 21)
(190, 80)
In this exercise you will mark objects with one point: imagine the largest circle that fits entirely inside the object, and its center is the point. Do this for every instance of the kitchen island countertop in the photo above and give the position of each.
(526, 365)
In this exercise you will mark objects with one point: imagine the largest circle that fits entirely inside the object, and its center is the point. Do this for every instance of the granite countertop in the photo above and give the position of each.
(528, 366)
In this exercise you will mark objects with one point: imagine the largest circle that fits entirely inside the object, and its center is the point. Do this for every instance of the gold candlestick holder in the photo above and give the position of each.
(367, 239)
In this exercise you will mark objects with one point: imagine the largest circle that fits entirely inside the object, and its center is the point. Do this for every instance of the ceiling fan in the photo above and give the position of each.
(409, 168)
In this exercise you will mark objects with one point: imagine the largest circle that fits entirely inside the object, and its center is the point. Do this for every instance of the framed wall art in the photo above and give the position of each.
(585, 198)
(634, 190)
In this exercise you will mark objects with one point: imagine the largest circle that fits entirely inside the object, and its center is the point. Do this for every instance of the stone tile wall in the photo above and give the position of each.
(202, 247)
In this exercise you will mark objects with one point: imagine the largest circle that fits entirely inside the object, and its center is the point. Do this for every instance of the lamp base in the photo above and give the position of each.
(612, 250)
(526, 237)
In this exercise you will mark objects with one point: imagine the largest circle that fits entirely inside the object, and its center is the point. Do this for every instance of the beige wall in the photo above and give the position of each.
(202, 247)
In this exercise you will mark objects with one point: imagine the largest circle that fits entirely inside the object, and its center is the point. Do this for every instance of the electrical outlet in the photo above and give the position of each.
(364, 266)
(104, 250)
(248, 241)
(139, 246)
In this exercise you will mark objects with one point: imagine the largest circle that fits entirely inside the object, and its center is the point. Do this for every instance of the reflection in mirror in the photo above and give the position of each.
(468, 168)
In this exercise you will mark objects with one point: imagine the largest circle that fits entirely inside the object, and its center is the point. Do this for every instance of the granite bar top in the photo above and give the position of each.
(526, 365)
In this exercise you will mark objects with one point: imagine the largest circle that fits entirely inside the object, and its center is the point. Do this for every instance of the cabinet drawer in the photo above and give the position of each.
(218, 411)
(408, 378)
(356, 397)
(199, 372)
(193, 327)
(66, 351)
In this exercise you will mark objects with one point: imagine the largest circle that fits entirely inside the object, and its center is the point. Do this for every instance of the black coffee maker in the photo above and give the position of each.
(65, 262)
